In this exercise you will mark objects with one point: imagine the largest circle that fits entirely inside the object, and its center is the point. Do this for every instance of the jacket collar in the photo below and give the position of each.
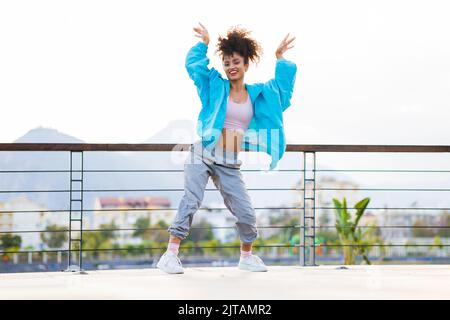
(253, 89)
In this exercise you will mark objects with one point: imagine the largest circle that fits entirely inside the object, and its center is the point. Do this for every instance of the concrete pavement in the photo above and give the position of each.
(280, 282)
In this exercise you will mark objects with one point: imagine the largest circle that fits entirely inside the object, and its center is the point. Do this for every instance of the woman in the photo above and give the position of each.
(231, 112)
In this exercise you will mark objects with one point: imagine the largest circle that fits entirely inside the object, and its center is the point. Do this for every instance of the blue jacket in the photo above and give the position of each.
(265, 131)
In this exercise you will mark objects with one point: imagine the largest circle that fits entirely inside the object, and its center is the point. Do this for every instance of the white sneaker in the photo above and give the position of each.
(170, 263)
(252, 263)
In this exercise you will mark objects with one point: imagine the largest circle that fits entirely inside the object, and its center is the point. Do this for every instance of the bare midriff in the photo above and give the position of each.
(231, 139)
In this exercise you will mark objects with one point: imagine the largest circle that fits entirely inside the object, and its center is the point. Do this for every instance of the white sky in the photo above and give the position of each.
(369, 72)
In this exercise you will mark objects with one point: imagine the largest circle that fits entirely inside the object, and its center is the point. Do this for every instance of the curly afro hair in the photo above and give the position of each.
(238, 40)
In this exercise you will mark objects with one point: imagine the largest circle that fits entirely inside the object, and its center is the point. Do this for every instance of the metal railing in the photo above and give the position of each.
(306, 212)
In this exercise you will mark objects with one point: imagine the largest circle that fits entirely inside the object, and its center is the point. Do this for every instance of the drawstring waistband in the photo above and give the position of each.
(217, 155)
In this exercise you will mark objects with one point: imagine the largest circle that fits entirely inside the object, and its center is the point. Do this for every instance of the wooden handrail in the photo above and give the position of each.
(185, 147)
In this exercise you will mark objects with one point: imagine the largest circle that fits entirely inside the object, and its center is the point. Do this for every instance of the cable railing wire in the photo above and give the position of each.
(214, 189)
(243, 170)
(134, 190)
(227, 227)
(214, 209)
(139, 229)
(227, 247)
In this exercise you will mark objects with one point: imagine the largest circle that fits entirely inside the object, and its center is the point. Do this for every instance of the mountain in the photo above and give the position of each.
(176, 131)
(43, 135)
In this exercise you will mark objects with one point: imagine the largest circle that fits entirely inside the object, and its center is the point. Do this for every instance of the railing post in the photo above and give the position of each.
(301, 248)
(307, 247)
(76, 219)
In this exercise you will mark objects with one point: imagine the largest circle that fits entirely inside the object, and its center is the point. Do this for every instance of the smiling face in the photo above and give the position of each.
(234, 66)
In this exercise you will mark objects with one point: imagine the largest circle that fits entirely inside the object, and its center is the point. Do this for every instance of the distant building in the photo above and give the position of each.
(368, 219)
(324, 198)
(397, 231)
(6, 219)
(224, 222)
(31, 217)
(403, 219)
(126, 211)
(218, 219)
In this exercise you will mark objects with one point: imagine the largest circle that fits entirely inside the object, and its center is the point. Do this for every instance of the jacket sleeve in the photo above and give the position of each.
(197, 65)
(285, 73)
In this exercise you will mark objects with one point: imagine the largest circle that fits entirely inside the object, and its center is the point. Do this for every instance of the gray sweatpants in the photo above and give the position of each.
(224, 169)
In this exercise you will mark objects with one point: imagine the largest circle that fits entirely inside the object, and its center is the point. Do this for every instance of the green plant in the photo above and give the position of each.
(99, 241)
(436, 245)
(147, 232)
(350, 237)
(203, 232)
(9, 243)
(56, 238)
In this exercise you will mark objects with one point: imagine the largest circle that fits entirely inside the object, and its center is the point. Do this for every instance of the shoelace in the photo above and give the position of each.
(178, 261)
(258, 259)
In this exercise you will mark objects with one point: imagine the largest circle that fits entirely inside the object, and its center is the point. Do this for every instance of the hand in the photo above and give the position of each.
(202, 33)
(283, 47)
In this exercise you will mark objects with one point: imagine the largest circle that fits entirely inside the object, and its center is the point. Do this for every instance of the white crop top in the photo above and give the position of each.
(238, 115)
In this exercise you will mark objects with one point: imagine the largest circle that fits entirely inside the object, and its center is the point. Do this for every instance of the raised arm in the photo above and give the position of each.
(285, 73)
(283, 47)
(196, 59)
